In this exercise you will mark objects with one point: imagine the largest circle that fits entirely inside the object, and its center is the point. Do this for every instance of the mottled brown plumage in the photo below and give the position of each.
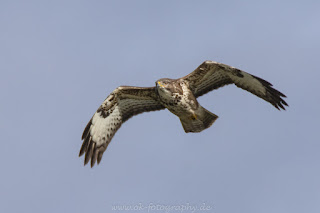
(179, 96)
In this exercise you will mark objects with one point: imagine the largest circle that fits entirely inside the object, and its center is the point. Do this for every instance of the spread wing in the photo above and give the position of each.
(123, 103)
(211, 75)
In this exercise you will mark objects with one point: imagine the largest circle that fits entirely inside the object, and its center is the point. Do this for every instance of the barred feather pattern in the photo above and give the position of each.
(113, 112)
(212, 75)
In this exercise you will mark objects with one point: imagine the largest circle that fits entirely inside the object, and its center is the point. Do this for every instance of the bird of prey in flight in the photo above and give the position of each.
(179, 96)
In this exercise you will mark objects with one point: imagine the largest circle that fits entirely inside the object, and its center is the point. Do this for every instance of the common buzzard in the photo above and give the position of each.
(177, 95)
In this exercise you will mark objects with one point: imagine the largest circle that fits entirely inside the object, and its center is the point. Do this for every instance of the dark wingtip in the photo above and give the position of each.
(86, 130)
(282, 107)
(284, 103)
(273, 96)
(264, 82)
(89, 152)
(84, 146)
(94, 155)
(100, 153)
(82, 150)
(279, 104)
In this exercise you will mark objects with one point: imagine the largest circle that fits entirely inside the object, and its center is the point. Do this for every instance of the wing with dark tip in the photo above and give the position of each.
(212, 75)
(123, 103)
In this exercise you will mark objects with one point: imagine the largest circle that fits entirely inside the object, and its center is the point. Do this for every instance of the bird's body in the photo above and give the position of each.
(179, 96)
(176, 96)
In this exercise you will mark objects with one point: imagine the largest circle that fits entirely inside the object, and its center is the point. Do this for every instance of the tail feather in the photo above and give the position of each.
(203, 119)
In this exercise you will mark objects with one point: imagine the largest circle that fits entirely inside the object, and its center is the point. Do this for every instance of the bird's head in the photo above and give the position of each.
(163, 83)
(164, 86)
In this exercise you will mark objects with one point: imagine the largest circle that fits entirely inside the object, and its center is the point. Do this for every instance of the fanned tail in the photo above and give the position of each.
(202, 120)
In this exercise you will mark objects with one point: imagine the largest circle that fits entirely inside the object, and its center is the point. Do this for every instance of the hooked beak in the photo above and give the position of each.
(159, 83)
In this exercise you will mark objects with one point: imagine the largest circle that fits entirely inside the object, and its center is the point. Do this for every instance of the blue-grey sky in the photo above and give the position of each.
(60, 59)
